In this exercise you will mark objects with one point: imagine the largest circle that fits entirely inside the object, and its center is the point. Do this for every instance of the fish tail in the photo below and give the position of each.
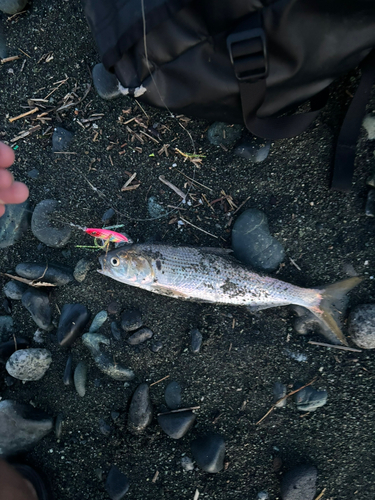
(332, 305)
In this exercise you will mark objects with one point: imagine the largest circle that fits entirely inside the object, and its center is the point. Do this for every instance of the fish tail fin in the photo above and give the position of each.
(332, 306)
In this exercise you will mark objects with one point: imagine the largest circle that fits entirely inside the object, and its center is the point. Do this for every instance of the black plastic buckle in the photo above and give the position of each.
(248, 54)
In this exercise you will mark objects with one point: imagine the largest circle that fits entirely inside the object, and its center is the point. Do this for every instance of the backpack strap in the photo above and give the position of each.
(343, 167)
(248, 53)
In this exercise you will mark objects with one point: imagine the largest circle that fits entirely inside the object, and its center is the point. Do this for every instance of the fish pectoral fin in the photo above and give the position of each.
(255, 308)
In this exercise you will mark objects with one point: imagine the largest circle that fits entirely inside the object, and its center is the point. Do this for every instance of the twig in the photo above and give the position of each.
(28, 282)
(149, 136)
(129, 181)
(194, 181)
(26, 133)
(196, 494)
(172, 186)
(179, 410)
(32, 111)
(320, 494)
(161, 380)
(282, 399)
(341, 347)
(155, 476)
(199, 229)
(242, 204)
(295, 264)
(10, 59)
(27, 55)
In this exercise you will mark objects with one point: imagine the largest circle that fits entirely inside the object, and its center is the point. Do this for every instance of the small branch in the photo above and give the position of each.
(320, 494)
(179, 410)
(10, 59)
(31, 112)
(158, 381)
(199, 229)
(341, 347)
(172, 186)
(282, 399)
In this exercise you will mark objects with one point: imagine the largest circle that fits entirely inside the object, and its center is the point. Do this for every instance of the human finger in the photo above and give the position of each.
(6, 179)
(2, 210)
(16, 193)
(6, 156)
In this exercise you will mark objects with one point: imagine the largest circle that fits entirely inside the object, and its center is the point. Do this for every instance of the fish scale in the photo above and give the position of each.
(210, 275)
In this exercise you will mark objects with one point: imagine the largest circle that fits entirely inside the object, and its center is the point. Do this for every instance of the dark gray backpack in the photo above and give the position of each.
(242, 61)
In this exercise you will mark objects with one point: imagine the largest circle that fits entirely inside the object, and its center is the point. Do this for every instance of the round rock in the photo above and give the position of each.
(209, 451)
(253, 244)
(140, 411)
(47, 231)
(196, 341)
(6, 328)
(61, 139)
(255, 149)
(14, 290)
(117, 484)
(73, 319)
(11, 7)
(140, 336)
(80, 378)
(176, 425)
(362, 326)
(14, 223)
(308, 398)
(131, 320)
(105, 83)
(56, 274)
(83, 266)
(68, 371)
(299, 483)
(37, 303)
(172, 395)
(98, 321)
(29, 364)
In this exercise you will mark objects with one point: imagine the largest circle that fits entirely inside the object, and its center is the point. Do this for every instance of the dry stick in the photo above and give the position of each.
(341, 347)
(295, 264)
(32, 111)
(242, 204)
(161, 380)
(172, 186)
(155, 476)
(320, 494)
(24, 53)
(28, 282)
(149, 136)
(193, 180)
(129, 181)
(282, 399)
(179, 410)
(199, 229)
(196, 494)
(10, 59)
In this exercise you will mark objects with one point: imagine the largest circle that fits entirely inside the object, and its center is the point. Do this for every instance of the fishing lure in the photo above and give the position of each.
(106, 235)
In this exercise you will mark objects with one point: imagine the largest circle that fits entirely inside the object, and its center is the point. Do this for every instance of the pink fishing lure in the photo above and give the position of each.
(107, 235)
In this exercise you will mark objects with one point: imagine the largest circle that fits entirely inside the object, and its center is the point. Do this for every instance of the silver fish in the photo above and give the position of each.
(210, 275)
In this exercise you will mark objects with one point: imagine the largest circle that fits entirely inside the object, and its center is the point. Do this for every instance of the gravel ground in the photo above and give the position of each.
(242, 356)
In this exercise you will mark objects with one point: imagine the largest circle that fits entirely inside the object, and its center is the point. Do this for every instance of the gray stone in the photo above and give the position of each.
(37, 303)
(61, 139)
(12, 6)
(299, 483)
(104, 428)
(98, 321)
(176, 425)
(116, 332)
(68, 371)
(108, 214)
(22, 426)
(140, 336)
(131, 320)
(172, 395)
(33, 173)
(50, 233)
(7, 305)
(14, 289)
(105, 83)
(3, 43)
(196, 341)
(80, 378)
(14, 223)
(6, 328)
(308, 398)
(370, 204)
(154, 208)
(369, 125)
(117, 484)
(254, 149)
(224, 134)
(187, 464)
(253, 244)
(362, 326)
(73, 320)
(157, 346)
(140, 411)
(83, 266)
(263, 495)
(209, 451)
(59, 424)
(103, 361)
(29, 364)
(57, 274)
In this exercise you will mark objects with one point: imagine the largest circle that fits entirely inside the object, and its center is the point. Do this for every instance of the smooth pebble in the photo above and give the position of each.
(15, 289)
(299, 483)
(156, 346)
(11, 7)
(61, 139)
(14, 223)
(254, 149)
(68, 371)
(279, 391)
(37, 303)
(6, 328)
(195, 341)
(116, 332)
(172, 395)
(117, 484)
(80, 378)
(308, 398)
(50, 233)
(187, 464)
(209, 451)
(176, 425)
(54, 273)
(140, 411)
(140, 336)
(59, 424)
(362, 326)
(131, 320)
(73, 320)
(29, 364)
(105, 83)
(98, 321)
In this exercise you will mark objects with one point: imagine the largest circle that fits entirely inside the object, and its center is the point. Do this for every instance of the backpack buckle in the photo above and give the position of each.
(248, 54)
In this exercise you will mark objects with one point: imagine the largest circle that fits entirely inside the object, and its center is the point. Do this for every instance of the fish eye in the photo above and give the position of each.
(115, 261)
(94, 233)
